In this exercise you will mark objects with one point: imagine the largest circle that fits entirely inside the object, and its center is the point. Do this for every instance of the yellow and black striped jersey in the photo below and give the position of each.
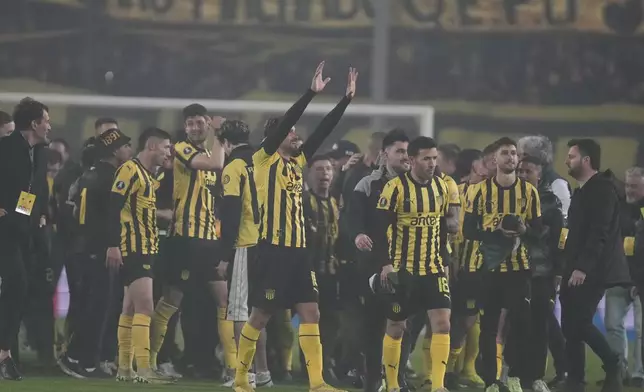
(416, 243)
(322, 215)
(490, 202)
(193, 195)
(280, 185)
(468, 257)
(135, 188)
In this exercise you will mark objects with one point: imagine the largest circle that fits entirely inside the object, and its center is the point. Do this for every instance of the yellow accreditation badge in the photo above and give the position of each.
(629, 246)
(25, 203)
(562, 238)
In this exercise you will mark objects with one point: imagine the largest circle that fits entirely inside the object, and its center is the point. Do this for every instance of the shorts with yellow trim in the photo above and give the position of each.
(466, 293)
(137, 266)
(191, 260)
(422, 293)
(284, 277)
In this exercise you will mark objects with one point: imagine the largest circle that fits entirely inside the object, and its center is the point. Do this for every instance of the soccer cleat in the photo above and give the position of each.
(168, 369)
(263, 380)
(9, 370)
(471, 380)
(325, 388)
(244, 388)
(540, 386)
(149, 376)
(71, 367)
(514, 384)
(498, 386)
(228, 378)
(125, 375)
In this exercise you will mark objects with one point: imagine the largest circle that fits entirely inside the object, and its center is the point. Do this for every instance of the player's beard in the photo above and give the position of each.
(574, 171)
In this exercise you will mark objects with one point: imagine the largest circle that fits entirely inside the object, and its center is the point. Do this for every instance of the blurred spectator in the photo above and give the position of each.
(6, 124)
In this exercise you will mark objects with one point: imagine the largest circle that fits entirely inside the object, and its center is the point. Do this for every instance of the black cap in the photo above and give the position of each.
(343, 148)
(110, 141)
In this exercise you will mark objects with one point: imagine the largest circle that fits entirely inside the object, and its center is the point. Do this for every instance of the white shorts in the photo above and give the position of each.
(238, 287)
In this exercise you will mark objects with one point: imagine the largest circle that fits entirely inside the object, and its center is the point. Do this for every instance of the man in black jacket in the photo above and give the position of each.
(361, 219)
(594, 260)
(19, 179)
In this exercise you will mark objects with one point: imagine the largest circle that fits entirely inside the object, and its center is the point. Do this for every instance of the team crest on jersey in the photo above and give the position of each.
(185, 275)
(489, 204)
(396, 308)
(270, 294)
(226, 179)
(382, 202)
(120, 185)
(187, 150)
(147, 267)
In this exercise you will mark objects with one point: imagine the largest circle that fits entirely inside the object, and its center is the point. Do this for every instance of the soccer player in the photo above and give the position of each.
(498, 213)
(415, 205)
(132, 246)
(466, 287)
(194, 244)
(321, 214)
(95, 187)
(285, 278)
(240, 219)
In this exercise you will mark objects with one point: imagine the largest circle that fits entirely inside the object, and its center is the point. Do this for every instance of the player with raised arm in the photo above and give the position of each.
(285, 276)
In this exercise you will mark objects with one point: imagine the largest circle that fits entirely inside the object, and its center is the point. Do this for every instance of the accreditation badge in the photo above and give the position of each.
(25, 203)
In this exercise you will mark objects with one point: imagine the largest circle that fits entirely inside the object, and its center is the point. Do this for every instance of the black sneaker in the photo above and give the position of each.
(9, 370)
(451, 381)
(71, 367)
(557, 382)
(614, 380)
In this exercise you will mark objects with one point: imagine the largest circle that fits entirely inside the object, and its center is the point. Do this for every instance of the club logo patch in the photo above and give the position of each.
(270, 294)
(395, 308)
(187, 150)
(382, 202)
(226, 179)
(120, 185)
(185, 275)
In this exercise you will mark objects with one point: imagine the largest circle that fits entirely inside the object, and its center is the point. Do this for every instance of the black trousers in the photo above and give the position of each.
(374, 323)
(578, 306)
(557, 345)
(510, 291)
(16, 253)
(542, 304)
(98, 306)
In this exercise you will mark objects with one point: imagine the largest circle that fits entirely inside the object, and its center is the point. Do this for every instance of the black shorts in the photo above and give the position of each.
(506, 290)
(284, 277)
(329, 291)
(466, 293)
(136, 266)
(424, 293)
(191, 260)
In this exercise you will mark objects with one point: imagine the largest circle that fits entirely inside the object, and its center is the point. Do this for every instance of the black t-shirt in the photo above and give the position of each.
(91, 204)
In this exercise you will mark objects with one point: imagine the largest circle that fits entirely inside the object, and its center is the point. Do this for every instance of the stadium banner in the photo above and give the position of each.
(602, 16)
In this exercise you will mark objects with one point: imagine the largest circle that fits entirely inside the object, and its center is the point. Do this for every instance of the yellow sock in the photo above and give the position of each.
(391, 349)
(427, 355)
(287, 350)
(226, 330)
(472, 349)
(141, 340)
(453, 357)
(458, 366)
(246, 352)
(158, 328)
(125, 342)
(499, 360)
(312, 349)
(440, 353)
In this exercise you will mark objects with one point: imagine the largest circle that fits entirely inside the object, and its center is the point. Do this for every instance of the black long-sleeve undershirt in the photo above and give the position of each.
(276, 136)
(231, 209)
(324, 129)
(115, 206)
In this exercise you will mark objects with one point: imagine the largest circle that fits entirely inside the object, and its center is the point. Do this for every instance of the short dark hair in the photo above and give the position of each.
(54, 157)
(317, 158)
(465, 160)
(504, 141)
(152, 132)
(194, 110)
(62, 141)
(534, 160)
(26, 111)
(104, 120)
(5, 118)
(378, 136)
(393, 136)
(271, 124)
(420, 143)
(490, 149)
(588, 148)
(235, 131)
(450, 151)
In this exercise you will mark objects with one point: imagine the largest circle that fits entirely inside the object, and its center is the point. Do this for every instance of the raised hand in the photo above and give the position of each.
(351, 83)
(319, 83)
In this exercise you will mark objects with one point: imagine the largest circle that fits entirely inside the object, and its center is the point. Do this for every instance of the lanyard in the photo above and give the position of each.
(33, 168)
